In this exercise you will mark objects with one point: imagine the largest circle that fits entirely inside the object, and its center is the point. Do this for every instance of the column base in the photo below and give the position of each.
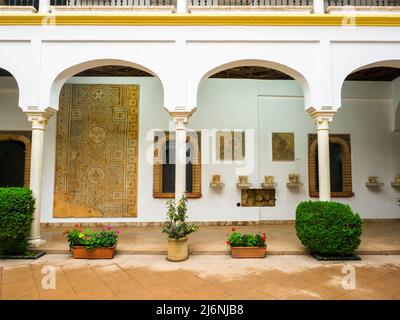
(36, 243)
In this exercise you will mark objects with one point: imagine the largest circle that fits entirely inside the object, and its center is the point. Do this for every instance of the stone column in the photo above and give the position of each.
(39, 120)
(180, 119)
(322, 119)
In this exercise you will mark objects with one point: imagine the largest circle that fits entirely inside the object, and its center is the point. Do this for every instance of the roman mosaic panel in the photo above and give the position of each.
(97, 151)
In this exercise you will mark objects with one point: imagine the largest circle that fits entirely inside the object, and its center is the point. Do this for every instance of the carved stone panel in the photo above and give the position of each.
(96, 161)
(258, 198)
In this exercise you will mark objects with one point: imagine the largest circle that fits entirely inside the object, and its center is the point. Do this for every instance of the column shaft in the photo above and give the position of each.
(180, 119)
(180, 158)
(324, 162)
(39, 120)
(322, 119)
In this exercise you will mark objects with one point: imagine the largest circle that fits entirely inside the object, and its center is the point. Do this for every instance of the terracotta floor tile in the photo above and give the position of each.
(233, 286)
(252, 294)
(202, 277)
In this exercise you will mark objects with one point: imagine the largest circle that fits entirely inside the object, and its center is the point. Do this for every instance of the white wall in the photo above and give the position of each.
(265, 106)
(11, 116)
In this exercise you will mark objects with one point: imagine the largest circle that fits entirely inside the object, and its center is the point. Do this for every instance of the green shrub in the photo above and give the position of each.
(106, 238)
(236, 239)
(328, 228)
(16, 215)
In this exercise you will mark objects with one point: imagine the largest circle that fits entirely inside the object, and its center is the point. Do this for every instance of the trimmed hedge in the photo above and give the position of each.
(16, 216)
(328, 228)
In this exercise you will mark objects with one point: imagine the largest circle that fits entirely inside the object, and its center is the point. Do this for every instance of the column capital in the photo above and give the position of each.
(181, 117)
(39, 118)
(321, 117)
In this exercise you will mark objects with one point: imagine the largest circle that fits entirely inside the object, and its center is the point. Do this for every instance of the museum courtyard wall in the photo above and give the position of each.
(261, 107)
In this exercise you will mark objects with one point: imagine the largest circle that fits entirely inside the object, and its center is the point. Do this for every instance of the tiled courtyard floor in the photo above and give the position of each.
(200, 277)
(377, 238)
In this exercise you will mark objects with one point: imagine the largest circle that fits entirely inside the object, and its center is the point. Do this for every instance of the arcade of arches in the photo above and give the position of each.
(96, 162)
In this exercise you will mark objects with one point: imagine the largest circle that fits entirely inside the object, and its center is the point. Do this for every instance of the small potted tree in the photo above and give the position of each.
(177, 230)
(88, 244)
(247, 245)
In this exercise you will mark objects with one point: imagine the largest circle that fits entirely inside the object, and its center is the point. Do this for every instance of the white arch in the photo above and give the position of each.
(338, 85)
(267, 64)
(19, 85)
(66, 74)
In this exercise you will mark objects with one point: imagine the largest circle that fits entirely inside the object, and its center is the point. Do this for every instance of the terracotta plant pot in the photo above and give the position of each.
(80, 252)
(178, 249)
(248, 252)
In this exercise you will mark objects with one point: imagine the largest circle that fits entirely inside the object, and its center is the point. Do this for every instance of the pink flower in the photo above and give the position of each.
(117, 231)
(109, 227)
(233, 229)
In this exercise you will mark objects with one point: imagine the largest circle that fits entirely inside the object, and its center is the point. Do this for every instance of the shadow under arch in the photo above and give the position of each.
(376, 64)
(15, 81)
(266, 64)
(397, 119)
(68, 73)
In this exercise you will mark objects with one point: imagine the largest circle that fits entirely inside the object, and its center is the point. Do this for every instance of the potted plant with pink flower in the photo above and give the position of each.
(89, 244)
(247, 245)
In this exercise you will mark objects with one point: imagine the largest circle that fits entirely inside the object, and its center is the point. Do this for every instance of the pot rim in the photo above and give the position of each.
(265, 247)
(178, 240)
(78, 247)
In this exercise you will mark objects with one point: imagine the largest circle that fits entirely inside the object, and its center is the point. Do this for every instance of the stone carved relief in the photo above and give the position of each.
(230, 145)
(96, 161)
(257, 198)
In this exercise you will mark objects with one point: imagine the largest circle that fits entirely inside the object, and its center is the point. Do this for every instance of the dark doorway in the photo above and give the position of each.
(336, 167)
(12, 163)
(168, 177)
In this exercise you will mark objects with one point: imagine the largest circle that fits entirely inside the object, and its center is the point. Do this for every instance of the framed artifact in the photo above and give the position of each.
(230, 145)
(282, 146)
